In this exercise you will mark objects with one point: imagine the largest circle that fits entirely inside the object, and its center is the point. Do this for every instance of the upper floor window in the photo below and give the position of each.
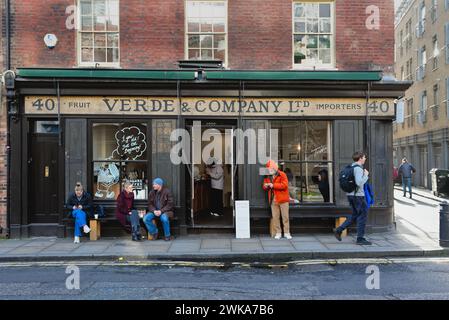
(422, 60)
(206, 25)
(434, 11)
(436, 52)
(98, 36)
(408, 35)
(313, 34)
(421, 26)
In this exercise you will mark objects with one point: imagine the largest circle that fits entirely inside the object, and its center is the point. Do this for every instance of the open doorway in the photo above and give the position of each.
(211, 177)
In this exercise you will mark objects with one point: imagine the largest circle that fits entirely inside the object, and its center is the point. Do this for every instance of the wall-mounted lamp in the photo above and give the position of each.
(50, 40)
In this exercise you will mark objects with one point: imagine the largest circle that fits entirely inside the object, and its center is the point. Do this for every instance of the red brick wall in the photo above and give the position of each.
(358, 48)
(152, 34)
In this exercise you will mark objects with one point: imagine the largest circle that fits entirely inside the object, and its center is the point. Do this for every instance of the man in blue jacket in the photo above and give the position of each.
(406, 170)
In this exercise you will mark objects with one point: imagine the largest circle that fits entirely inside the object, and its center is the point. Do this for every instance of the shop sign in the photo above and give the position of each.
(207, 106)
(131, 144)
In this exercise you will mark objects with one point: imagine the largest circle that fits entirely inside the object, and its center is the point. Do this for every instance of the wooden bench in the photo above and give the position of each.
(158, 224)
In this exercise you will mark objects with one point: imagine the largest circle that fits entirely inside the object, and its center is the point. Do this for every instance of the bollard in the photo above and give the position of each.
(444, 224)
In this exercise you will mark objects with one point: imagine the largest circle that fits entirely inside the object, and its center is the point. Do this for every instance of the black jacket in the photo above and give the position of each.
(85, 201)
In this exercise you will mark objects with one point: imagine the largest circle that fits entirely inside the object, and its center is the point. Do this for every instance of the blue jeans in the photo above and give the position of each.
(407, 182)
(80, 221)
(359, 214)
(152, 228)
(134, 219)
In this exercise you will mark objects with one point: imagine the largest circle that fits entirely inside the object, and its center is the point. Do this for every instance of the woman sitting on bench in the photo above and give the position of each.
(126, 212)
(79, 202)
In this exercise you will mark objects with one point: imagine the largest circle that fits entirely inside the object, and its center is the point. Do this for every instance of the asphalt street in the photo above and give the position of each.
(422, 278)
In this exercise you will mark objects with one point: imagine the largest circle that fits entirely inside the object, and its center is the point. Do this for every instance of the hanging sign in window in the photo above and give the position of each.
(131, 143)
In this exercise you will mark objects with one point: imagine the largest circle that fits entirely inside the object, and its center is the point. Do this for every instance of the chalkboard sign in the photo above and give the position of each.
(131, 143)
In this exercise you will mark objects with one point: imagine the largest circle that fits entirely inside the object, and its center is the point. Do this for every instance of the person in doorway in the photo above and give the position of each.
(216, 173)
(161, 206)
(80, 202)
(357, 200)
(127, 213)
(323, 184)
(406, 170)
(278, 196)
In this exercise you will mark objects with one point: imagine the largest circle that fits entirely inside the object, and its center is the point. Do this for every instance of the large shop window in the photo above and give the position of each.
(119, 154)
(304, 153)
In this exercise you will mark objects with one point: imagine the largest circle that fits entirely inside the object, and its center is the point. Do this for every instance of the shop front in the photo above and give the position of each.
(104, 127)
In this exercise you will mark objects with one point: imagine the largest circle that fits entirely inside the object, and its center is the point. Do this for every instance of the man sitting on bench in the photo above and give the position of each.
(80, 202)
(160, 205)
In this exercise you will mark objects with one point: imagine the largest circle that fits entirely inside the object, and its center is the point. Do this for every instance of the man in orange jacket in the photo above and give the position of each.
(278, 197)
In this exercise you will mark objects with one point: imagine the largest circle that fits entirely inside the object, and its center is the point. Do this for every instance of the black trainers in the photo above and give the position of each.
(337, 234)
(363, 242)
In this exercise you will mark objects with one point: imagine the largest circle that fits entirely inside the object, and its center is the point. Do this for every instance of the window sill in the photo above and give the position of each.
(100, 66)
(315, 68)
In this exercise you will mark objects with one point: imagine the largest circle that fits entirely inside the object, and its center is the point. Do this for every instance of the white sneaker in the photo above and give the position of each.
(278, 236)
(86, 229)
(77, 240)
(288, 236)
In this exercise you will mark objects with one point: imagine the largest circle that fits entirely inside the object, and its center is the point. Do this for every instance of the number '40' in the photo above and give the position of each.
(48, 104)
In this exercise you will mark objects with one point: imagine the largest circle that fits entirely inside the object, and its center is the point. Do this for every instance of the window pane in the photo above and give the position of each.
(293, 172)
(300, 26)
(86, 23)
(113, 40)
(206, 54)
(113, 8)
(325, 42)
(206, 41)
(99, 7)
(312, 25)
(113, 55)
(299, 10)
(86, 7)
(315, 182)
(136, 173)
(311, 10)
(106, 179)
(325, 55)
(100, 23)
(312, 41)
(206, 26)
(193, 26)
(219, 41)
(194, 41)
(325, 10)
(314, 142)
(100, 55)
(87, 40)
(100, 40)
(325, 25)
(194, 54)
(300, 48)
(87, 55)
(219, 55)
(112, 23)
(219, 27)
(125, 141)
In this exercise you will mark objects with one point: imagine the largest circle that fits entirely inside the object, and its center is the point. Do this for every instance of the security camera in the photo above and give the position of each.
(50, 40)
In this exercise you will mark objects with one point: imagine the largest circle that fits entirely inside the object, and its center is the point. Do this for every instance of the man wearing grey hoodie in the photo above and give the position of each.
(357, 201)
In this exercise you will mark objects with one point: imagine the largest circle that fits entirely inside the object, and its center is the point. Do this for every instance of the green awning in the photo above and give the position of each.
(208, 75)
(295, 75)
(107, 74)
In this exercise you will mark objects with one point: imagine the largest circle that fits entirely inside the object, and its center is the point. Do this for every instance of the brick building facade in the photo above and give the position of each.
(283, 35)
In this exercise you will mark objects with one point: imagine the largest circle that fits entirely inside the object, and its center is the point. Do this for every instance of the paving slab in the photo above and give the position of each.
(215, 244)
(309, 246)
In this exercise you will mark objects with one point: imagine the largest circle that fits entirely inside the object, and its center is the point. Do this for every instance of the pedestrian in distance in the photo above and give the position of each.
(406, 171)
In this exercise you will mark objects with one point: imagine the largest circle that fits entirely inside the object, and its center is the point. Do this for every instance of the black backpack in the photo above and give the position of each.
(347, 178)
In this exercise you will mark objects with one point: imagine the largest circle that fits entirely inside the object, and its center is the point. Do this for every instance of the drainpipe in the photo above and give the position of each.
(8, 120)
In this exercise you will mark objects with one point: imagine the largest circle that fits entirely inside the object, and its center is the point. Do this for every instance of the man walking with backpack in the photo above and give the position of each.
(352, 180)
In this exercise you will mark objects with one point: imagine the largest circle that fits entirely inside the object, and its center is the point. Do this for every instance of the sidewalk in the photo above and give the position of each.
(222, 248)
(426, 193)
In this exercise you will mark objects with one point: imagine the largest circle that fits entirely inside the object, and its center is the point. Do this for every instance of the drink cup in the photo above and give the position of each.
(96, 216)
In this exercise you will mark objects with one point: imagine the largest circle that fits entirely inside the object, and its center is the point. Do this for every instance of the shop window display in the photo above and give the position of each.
(119, 155)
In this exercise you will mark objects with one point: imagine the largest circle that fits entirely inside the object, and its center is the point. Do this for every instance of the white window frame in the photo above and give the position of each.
(94, 64)
(186, 30)
(333, 64)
